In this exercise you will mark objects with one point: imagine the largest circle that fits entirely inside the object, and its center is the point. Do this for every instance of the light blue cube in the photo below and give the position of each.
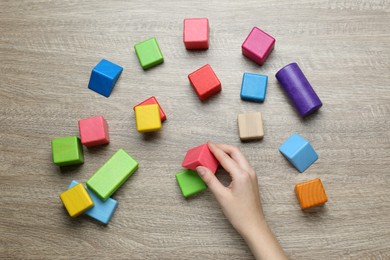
(253, 87)
(102, 210)
(104, 76)
(299, 152)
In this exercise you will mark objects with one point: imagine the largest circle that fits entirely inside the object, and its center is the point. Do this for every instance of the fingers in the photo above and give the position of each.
(225, 160)
(212, 182)
(236, 155)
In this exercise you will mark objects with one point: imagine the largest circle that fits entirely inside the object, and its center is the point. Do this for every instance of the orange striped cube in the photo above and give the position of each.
(311, 193)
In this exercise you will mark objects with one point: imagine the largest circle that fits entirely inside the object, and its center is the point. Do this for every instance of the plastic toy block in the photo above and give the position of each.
(147, 118)
(196, 33)
(310, 193)
(149, 53)
(104, 76)
(67, 151)
(76, 200)
(205, 82)
(258, 46)
(94, 131)
(112, 174)
(250, 126)
(102, 210)
(299, 152)
(253, 87)
(150, 101)
(200, 156)
(190, 183)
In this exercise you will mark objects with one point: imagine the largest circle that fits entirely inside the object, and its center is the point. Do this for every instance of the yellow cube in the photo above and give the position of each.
(76, 200)
(147, 118)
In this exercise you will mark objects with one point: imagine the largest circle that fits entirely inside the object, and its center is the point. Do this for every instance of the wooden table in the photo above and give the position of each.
(48, 49)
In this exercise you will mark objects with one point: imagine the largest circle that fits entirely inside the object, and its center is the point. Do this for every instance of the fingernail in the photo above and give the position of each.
(201, 171)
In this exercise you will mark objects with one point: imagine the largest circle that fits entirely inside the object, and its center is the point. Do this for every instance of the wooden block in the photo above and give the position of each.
(200, 156)
(102, 210)
(150, 101)
(76, 200)
(250, 126)
(258, 45)
(196, 33)
(104, 76)
(112, 174)
(149, 53)
(147, 118)
(253, 87)
(190, 183)
(205, 82)
(94, 131)
(311, 193)
(67, 151)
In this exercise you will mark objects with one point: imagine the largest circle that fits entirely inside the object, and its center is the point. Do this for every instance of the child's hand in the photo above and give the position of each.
(240, 201)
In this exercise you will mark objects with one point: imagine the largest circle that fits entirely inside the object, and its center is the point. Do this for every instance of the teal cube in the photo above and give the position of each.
(190, 183)
(67, 151)
(253, 87)
(149, 53)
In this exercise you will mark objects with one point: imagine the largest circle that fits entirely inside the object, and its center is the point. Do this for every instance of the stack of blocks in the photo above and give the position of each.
(149, 115)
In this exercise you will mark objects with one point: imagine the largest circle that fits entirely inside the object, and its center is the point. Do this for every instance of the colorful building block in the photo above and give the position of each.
(150, 101)
(190, 183)
(299, 152)
(147, 118)
(67, 151)
(250, 126)
(112, 174)
(200, 156)
(102, 210)
(205, 82)
(310, 193)
(76, 200)
(149, 53)
(104, 76)
(258, 46)
(253, 87)
(94, 131)
(196, 33)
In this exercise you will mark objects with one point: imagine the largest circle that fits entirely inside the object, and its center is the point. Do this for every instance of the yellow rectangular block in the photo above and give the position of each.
(76, 200)
(147, 118)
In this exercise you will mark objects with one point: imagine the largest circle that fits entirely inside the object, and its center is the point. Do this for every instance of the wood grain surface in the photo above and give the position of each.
(47, 51)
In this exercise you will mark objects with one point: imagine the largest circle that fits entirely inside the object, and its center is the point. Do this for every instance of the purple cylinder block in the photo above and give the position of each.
(298, 89)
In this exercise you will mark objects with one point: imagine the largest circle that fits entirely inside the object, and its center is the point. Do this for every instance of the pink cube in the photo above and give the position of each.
(200, 156)
(258, 45)
(196, 33)
(93, 131)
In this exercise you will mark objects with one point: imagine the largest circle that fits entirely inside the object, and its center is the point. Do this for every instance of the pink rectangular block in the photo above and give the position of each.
(196, 33)
(150, 101)
(200, 156)
(258, 45)
(94, 131)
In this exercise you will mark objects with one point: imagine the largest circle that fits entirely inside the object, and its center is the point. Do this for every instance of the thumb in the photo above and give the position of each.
(211, 181)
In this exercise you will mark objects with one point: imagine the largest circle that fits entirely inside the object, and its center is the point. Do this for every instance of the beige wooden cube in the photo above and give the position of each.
(250, 126)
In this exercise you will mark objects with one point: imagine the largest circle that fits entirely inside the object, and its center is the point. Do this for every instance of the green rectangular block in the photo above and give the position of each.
(67, 151)
(190, 183)
(112, 174)
(149, 53)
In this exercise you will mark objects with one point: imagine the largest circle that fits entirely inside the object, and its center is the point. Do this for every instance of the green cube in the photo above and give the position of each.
(67, 151)
(112, 174)
(190, 183)
(149, 53)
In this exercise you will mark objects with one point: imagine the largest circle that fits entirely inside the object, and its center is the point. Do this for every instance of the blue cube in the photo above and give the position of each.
(253, 87)
(104, 76)
(102, 210)
(299, 152)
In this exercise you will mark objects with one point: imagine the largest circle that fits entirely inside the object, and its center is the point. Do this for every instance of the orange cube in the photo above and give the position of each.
(311, 193)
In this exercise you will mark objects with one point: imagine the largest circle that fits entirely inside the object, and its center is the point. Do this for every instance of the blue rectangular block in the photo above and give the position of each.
(253, 87)
(102, 210)
(299, 152)
(104, 76)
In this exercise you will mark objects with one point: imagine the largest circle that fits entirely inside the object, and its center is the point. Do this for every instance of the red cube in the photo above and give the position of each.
(150, 101)
(200, 156)
(258, 45)
(196, 33)
(93, 131)
(205, 82)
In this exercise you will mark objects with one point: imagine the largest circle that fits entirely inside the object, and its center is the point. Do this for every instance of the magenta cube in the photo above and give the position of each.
(200, 156)
(94, 131)
(196, 33)
(258, 45)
